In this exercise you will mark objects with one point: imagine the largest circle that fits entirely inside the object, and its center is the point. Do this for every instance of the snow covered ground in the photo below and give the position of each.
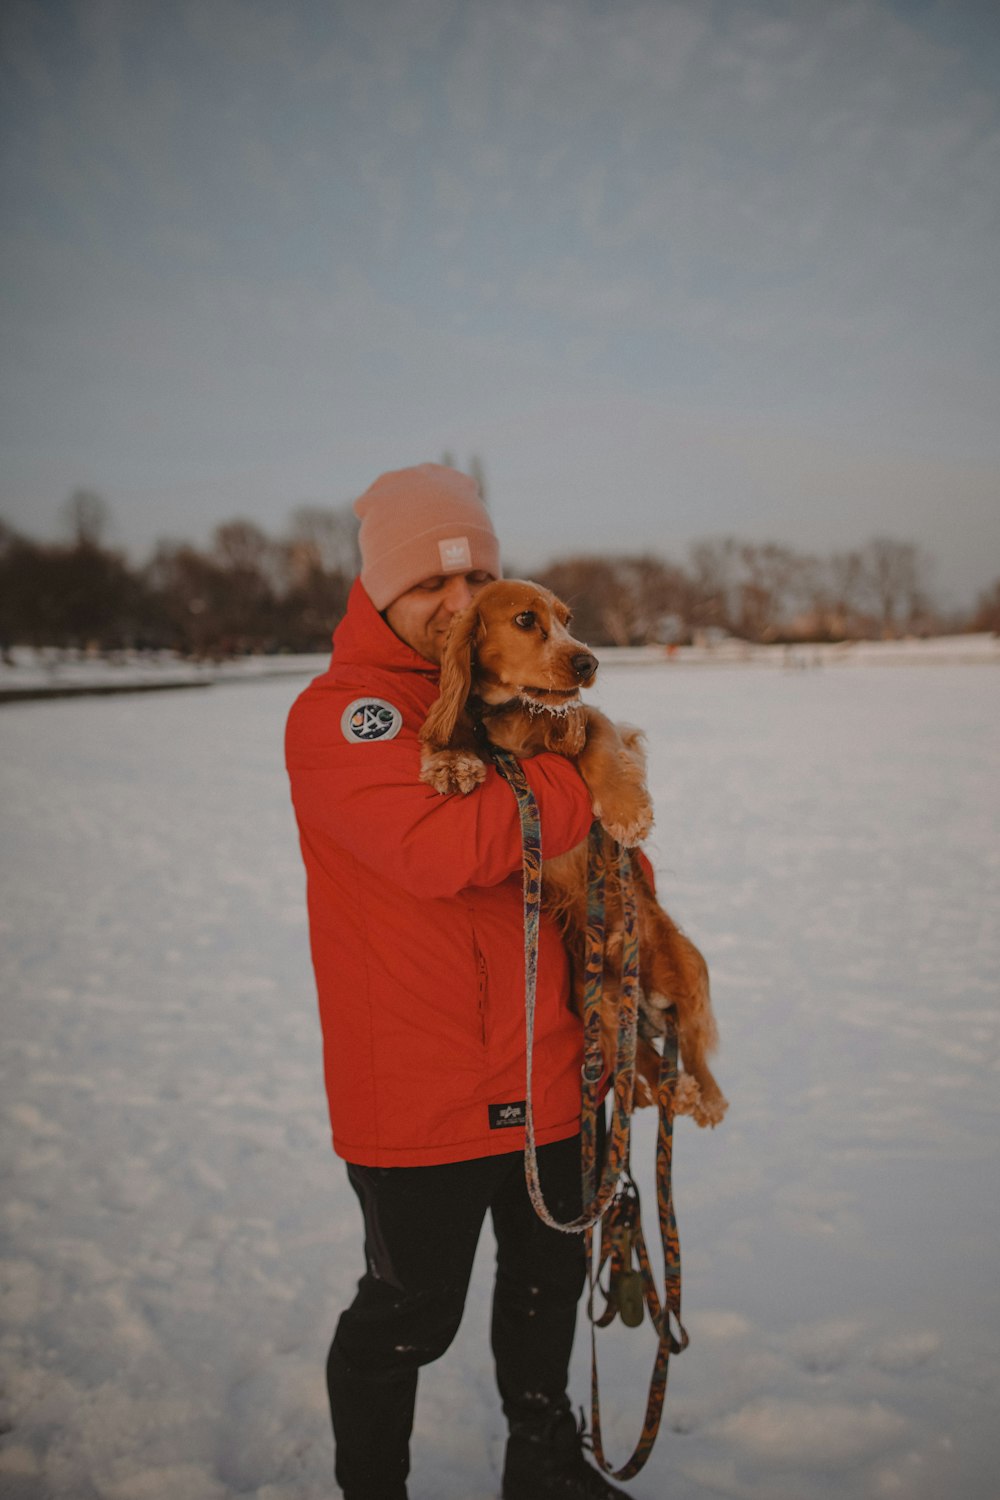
(52, 673)
(177, 1236)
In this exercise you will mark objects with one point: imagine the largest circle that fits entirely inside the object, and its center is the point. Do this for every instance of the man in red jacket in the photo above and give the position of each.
(416, 930)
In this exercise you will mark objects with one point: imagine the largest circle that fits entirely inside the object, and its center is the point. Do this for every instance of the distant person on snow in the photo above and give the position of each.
(416, 928)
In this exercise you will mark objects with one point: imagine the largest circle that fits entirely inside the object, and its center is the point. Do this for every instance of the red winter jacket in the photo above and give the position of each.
(416, 920)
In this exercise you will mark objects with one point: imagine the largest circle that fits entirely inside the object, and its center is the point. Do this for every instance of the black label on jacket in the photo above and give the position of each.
(502, 1116)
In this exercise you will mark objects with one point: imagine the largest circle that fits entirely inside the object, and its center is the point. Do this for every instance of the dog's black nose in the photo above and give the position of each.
(584, 664)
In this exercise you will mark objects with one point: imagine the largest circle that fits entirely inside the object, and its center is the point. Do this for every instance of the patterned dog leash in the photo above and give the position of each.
(615, 1200)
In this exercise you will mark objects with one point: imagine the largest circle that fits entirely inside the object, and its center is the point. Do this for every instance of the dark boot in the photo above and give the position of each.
(545, 1461)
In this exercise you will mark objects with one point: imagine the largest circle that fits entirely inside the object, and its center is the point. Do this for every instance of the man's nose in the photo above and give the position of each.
(457, 594)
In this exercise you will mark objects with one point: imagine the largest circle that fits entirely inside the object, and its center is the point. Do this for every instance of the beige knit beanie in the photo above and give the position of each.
(421, 522)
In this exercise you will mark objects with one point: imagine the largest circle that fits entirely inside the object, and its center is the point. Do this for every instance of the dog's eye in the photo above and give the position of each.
(525, 620)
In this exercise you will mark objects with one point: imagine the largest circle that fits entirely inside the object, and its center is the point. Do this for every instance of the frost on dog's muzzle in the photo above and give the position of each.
(537, 706)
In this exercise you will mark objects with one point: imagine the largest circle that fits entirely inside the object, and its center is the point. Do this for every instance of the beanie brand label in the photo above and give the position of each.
(504, 1116)
(456, 554)
(369, 719)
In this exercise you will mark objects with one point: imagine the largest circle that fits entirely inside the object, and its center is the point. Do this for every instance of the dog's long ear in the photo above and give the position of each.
(456, 680)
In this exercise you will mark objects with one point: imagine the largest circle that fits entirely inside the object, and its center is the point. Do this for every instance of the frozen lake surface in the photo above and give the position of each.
(177, 1237)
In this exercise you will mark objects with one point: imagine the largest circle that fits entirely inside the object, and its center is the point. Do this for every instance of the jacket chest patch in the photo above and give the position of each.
(369, 719)
(504, 1116)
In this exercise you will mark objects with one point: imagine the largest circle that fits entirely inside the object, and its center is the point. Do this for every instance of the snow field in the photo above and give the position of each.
(176, 1237)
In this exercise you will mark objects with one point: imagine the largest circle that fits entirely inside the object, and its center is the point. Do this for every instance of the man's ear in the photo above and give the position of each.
(456, 679)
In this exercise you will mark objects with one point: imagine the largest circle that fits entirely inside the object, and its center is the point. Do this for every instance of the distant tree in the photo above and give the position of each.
(619, 601)
(220, 603)
(770, 587)
(14, 598)
(843, 607)
(242, 547)
(307, 612)
(323, 539)
(715, 569)
(103, 602)
(79, 596)
(895, 572)
(986, 614)
(7, 538)
(321, 559)
(651, 595)
(588, 586)
(87, 516)
(478, 473)
(191, 594)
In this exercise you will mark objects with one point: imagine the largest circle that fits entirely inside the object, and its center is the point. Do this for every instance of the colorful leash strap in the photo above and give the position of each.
(596, 1198)
(621, 1237)
(616, 1197)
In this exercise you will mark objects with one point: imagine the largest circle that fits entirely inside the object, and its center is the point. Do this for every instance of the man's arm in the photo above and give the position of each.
(368, 799)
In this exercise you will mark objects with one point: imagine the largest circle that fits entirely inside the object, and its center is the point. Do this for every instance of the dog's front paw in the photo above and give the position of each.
(628, 819)
(452, 771)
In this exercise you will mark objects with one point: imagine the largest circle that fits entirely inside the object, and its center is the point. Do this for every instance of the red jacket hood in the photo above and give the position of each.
(363, 636)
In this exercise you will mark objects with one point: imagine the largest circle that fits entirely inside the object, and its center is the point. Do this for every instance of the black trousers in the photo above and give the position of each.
(422, 1226)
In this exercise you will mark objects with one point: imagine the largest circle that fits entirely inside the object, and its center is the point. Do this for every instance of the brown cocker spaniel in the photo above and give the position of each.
(511, 675)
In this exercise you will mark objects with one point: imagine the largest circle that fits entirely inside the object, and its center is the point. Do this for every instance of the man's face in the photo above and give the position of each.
(422, 615)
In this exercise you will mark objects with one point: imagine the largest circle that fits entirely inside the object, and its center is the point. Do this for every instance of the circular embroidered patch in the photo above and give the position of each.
(369, 719)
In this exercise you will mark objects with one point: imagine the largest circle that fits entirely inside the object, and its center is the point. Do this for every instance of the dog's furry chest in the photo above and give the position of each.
(526, 732)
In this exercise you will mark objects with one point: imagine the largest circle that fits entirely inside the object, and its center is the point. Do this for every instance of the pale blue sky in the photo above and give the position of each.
(672, 270)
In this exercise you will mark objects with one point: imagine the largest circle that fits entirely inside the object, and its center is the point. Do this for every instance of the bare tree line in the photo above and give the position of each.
(252, 592)
(246, 592)
(757, 591)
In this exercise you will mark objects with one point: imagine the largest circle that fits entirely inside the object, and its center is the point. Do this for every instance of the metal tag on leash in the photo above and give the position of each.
(627, 1290)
